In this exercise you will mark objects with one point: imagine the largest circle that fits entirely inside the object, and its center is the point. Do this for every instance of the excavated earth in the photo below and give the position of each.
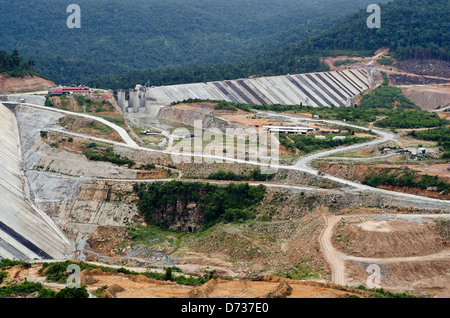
(119, 285)
(95, 205)
(428, 97)
(26, 84)
(378, 237)
(359, 172)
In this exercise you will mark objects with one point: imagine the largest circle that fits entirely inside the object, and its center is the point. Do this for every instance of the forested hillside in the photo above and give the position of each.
(13, 64)
(124, 36)
(411, 28)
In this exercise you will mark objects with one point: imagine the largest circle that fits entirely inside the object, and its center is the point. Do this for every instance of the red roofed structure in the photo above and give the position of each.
(69, 90)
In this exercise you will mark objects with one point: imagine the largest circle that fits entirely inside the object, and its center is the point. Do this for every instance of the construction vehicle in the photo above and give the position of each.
(169, 260)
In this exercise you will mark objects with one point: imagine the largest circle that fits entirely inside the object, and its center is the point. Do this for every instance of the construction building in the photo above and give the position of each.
(288, 129)
(70, 90)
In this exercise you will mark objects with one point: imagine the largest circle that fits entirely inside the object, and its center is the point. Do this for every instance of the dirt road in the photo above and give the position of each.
(122, 132)
(302, 164)
(332, 256)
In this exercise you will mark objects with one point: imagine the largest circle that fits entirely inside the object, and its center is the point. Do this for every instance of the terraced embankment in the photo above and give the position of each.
(25, 232)
(335, 88)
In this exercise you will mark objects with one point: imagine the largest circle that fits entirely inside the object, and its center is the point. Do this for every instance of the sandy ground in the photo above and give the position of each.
(26, 84)
(141, 287)
(428, 97)
(410, 253)
(138, 286)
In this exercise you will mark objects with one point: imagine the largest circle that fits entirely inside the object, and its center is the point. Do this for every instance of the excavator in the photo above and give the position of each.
(169, 260)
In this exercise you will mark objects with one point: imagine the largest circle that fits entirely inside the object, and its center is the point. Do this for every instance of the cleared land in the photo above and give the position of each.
(319, 228)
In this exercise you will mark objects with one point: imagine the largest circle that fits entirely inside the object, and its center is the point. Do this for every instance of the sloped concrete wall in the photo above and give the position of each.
(25, 231)
(334, 88)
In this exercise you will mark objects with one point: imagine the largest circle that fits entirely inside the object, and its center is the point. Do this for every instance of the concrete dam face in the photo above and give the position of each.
(334, 88)
(25, 231)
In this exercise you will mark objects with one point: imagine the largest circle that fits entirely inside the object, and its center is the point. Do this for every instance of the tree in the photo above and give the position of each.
(168, 274)
(73, 293)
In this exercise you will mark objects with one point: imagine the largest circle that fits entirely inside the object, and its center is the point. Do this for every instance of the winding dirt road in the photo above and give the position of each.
(334, 257)
(302, 164)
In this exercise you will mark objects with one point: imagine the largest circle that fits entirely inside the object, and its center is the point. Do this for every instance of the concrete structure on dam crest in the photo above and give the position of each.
(333, 88)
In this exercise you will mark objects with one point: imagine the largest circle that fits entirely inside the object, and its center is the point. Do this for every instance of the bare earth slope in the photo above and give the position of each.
(26, 84)
(428, 98)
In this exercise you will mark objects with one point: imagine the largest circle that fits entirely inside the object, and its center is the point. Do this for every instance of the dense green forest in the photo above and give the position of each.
(13, 64)
(411, 28)
(157, 201)
(95, 152)
(121, 43)
(57, 273)
(122, 36)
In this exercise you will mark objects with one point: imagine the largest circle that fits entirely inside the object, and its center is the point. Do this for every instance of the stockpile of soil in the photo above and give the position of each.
(25, 84)
(428, 98)
(425, 279)
(371, 237)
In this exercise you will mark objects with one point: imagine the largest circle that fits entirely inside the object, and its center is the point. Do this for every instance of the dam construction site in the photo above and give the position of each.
(127, 185)
(335, 88)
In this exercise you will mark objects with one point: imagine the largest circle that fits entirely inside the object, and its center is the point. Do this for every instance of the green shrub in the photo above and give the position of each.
(385, 61)
(391, 177)
(3, 275)
(308, 144)
(386, 97)
(58, 272)
(7, 263)
(344, 62)
(69, 292)
(48, 102)
(98, 292)
(411, 119)
(148, 166)
(446, 155)
(26, 288)
(233, 215)
(255, 175)
(385, 79)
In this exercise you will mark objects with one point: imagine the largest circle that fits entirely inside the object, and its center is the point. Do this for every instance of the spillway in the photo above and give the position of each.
(25, 231)
(333, 88)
